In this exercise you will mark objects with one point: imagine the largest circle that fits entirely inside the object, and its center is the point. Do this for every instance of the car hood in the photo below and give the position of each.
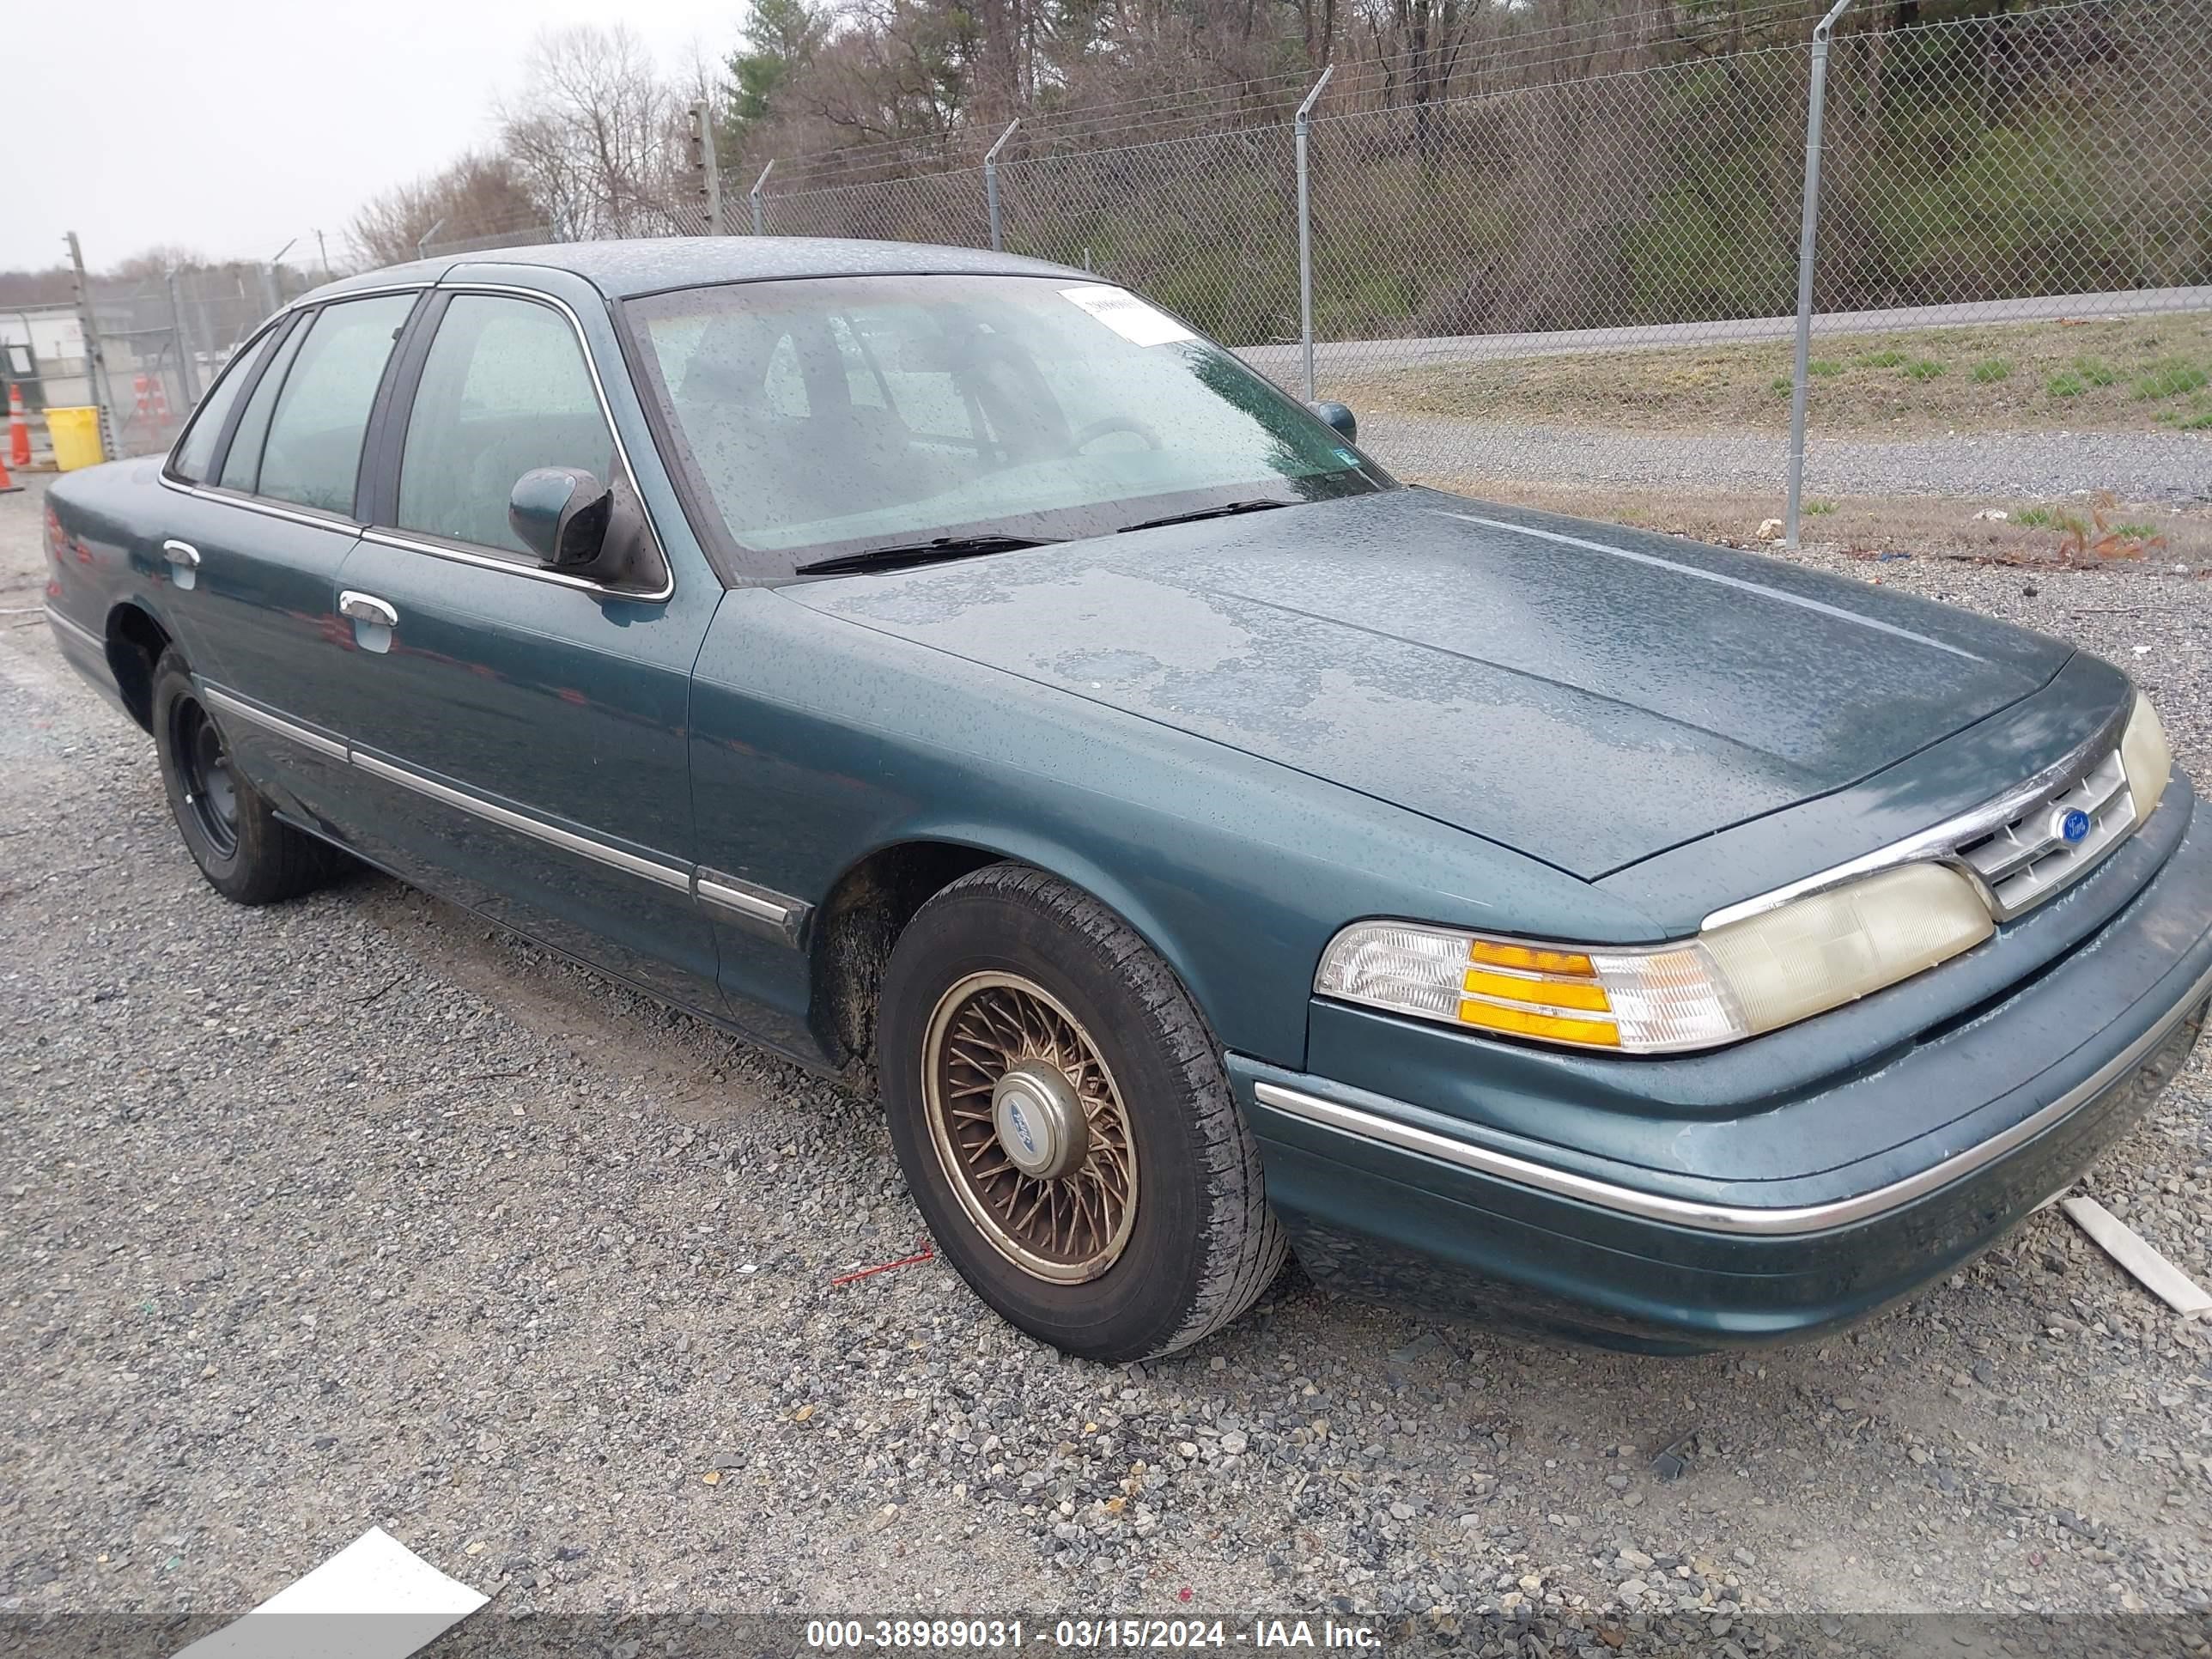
(1585, 694)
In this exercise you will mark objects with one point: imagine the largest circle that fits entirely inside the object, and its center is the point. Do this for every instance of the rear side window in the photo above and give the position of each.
(197, 452)
(312, 455)
(505, 389)
(241, 466)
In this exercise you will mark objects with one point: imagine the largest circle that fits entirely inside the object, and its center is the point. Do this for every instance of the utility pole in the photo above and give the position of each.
(706, 165)
(95, 365)
(324, 254)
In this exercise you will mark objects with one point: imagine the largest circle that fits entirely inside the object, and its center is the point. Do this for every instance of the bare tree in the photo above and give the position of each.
(597, 136)
(479, 195)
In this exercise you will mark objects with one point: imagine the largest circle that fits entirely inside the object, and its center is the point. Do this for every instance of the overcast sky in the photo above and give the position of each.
(232, 126)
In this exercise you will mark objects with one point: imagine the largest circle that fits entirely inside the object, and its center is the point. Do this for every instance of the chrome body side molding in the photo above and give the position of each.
(757, 909)
(292, 731)
(1380, 1126)
(668, 875)
(760, 910)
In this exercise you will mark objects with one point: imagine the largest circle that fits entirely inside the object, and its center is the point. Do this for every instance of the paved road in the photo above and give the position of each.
(355, 1212)
(1283, 361)
(2009, 469)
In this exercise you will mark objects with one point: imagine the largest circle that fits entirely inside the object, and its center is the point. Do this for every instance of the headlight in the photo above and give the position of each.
(1730, 982)
(2145, 758)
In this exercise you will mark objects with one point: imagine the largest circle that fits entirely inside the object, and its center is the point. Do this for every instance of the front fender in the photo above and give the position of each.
(816, 743)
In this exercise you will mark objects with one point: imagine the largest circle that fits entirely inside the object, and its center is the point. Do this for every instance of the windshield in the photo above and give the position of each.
(825, 417)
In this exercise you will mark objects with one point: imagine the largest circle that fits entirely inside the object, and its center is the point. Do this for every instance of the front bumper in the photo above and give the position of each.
(1675, 1222)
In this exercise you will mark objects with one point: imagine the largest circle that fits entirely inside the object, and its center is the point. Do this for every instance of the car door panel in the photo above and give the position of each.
(522, 745)
(521, 733)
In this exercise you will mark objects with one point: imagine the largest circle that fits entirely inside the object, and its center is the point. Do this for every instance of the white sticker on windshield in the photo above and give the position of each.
(1126, 315)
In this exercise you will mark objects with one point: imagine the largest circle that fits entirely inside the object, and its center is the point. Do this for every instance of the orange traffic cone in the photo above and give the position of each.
(8, 485)
(19, 429)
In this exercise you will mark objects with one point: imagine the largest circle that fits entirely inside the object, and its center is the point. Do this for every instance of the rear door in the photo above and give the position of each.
(521, 733)
(255, 549)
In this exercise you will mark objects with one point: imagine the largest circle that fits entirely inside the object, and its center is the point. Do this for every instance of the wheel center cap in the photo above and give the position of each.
(1042, 1127)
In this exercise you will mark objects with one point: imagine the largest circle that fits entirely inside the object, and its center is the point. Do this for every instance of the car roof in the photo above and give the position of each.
(622, 269)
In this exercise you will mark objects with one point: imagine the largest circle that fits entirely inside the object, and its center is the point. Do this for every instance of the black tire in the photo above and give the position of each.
(246, 852)
(1200, 1243)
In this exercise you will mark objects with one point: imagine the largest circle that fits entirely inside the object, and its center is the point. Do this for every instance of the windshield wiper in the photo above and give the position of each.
(937, 547)
(1229, 511)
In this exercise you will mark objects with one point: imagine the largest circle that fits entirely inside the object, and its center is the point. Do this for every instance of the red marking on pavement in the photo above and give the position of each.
(924, 1255)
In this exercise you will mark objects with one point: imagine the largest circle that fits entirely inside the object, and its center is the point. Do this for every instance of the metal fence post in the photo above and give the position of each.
(991, 184)
(1807, 239)
(760, 219)
(95, 364)
(187, 369)
(1301, 127)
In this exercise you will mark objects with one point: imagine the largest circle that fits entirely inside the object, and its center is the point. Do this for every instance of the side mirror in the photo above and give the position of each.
(1339, 417)
(574, 524)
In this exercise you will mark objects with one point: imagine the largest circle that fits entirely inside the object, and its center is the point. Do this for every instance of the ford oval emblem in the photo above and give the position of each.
(2073, 826)
(1020, 1122)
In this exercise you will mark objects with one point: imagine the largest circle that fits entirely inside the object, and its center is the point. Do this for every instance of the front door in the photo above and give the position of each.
(520, 736)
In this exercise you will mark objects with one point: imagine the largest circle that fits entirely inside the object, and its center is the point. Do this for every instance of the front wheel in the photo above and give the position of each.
(246, 852)
(1062, 1113)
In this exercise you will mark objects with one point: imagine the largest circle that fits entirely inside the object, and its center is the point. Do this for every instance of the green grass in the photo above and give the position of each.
(1782, 384)
(1890, 359)
(1990, 370)
(1814, 509)
(2066, 384)
(2198, 423)
(1823, 367)
(1925, 368)
(2095, 371)
(2036, 518)
(2136, 533)
(2174, 378)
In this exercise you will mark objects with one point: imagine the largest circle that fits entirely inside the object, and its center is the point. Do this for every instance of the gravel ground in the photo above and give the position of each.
(356, 1212)
(2171, 469)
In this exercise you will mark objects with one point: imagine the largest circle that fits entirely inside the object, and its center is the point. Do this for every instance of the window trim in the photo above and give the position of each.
(389, 436)
(301, 313)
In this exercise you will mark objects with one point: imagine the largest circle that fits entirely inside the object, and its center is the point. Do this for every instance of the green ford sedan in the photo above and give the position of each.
(949, 669)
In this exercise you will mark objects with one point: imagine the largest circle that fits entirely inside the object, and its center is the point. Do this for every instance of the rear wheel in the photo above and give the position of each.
(1065, 1124)
(246, 853)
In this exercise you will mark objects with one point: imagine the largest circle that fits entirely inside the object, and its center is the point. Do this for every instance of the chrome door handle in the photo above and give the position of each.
(184, 564)
(367, 608)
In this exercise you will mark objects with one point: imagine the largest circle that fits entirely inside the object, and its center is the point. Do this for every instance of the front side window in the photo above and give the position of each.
(311, 456)
(196, 450)
(826, 417)
(505, 390)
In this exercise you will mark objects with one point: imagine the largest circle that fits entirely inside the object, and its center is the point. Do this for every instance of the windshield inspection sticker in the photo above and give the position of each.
(1126, 315)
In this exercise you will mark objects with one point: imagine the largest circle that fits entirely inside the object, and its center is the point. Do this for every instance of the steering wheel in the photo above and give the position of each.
(1113, 423)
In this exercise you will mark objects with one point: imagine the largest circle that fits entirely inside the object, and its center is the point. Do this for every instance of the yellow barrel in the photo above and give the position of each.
(76, 435)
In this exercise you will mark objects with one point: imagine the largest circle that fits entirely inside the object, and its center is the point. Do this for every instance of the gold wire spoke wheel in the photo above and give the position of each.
(1030, 1127)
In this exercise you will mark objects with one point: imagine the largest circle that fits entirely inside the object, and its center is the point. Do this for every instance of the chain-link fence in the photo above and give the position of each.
(1593, 279)
(158, 343)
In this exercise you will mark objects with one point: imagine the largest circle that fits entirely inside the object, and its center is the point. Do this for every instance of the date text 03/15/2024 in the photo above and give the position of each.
(1109, 1635)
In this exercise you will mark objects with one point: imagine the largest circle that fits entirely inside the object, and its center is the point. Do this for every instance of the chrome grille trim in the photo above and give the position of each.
(1948, 843)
